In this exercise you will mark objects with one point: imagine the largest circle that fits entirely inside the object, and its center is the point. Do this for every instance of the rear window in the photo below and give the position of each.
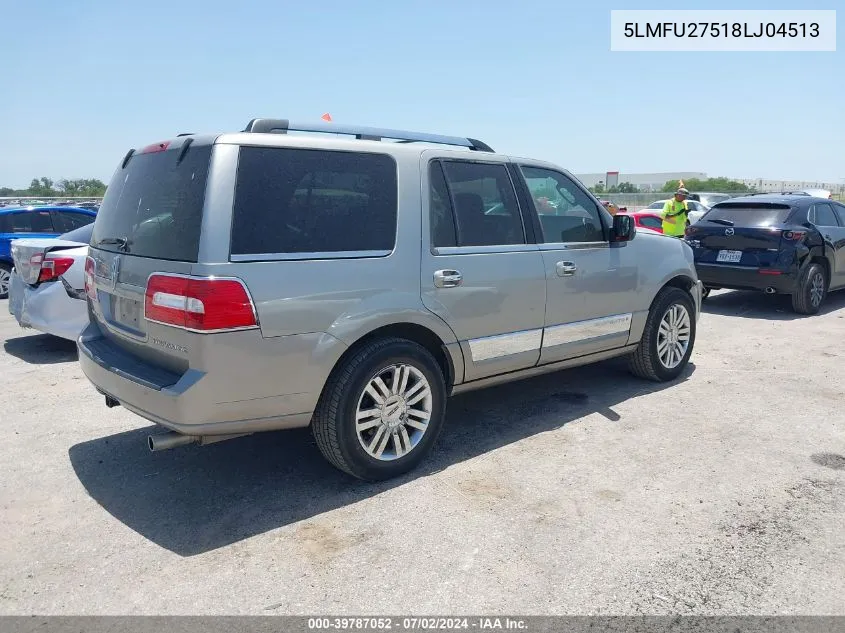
(750, 213)
(290, 201)
(155, 203)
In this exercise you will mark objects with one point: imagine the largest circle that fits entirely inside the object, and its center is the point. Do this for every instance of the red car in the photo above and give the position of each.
(647, 219)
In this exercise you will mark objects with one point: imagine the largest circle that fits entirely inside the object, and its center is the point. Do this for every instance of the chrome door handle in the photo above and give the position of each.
(565, 269)
(447, 278)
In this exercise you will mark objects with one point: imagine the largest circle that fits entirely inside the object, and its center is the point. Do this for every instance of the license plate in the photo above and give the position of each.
(127, 312)
(731, 257)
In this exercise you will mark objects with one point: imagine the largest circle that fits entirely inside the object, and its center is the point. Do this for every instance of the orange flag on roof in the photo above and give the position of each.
(327, 117)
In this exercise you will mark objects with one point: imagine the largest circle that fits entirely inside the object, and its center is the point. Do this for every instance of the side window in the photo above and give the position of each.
(32, 222)
(313, 201)
(567, 214)
(486, 210)
(822, 215)
(5, 223)
(651, 222)
(443, 232)
(840, 211)
(65, 221)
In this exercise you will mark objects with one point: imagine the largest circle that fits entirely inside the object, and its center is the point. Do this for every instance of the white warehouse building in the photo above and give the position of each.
(644, 182)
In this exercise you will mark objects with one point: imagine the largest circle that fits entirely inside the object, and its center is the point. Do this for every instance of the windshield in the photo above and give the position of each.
(153, 206)
(709, 199)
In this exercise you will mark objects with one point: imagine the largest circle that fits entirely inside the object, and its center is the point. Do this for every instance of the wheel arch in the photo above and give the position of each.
(823, 257)
(448, 357)
(682, 281)
(678, 279)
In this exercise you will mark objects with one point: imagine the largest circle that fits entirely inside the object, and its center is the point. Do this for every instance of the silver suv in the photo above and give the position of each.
(353, 280)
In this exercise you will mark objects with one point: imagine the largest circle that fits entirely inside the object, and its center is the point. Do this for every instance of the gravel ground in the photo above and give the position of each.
(581, 492)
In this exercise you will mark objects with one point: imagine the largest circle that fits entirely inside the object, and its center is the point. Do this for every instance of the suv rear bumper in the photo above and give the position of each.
(191, 403)
(745, 278)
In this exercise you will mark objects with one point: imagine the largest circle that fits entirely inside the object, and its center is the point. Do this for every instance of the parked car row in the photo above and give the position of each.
(36, 222)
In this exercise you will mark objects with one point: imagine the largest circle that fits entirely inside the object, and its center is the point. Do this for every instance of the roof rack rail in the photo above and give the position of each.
(283, 126)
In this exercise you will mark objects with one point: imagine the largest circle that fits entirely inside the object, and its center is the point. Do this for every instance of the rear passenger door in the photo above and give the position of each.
(831, 226)
(591, 285)
(482, 273)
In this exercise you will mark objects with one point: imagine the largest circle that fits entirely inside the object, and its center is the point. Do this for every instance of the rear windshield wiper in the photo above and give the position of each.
(121, 242)
(720, 221)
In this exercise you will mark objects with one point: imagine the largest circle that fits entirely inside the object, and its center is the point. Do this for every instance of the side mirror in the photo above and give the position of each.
(623, 229)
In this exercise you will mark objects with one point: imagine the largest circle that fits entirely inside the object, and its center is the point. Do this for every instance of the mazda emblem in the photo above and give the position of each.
(729, 231)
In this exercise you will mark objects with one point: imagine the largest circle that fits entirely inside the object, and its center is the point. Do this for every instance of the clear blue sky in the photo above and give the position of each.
(84, 81)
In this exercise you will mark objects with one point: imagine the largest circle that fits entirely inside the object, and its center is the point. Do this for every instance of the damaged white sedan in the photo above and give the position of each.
(47, 284)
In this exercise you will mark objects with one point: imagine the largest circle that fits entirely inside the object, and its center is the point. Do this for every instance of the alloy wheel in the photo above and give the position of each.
(393, 412)
(673, 336)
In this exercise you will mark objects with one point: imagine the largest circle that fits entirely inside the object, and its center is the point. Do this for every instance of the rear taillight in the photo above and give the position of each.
(90, 268)
(794, 236)
(51, 268)
(201, 304)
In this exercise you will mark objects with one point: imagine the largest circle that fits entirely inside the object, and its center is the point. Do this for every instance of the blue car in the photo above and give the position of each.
(47, 221)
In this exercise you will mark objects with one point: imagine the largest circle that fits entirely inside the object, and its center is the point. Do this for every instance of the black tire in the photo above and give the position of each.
(334, 421)
(7, 270)
(804, 299)
(645, 361)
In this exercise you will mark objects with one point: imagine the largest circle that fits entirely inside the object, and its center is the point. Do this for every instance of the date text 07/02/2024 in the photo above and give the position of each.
(416, 623)
(721, 29)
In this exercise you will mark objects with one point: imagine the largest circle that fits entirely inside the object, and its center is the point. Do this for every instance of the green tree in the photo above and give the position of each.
(597, 188)
(41, 187)
(627, 187)
(46, 188)
(720, 184)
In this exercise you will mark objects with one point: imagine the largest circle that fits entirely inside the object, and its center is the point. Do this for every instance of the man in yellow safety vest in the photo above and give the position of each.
(675, 214)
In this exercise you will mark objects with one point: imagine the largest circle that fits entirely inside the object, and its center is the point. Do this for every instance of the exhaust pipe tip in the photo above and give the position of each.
(171, 439)
(770, 291)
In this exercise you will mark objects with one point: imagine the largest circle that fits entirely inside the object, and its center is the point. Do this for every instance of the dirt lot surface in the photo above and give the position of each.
(584, 491)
